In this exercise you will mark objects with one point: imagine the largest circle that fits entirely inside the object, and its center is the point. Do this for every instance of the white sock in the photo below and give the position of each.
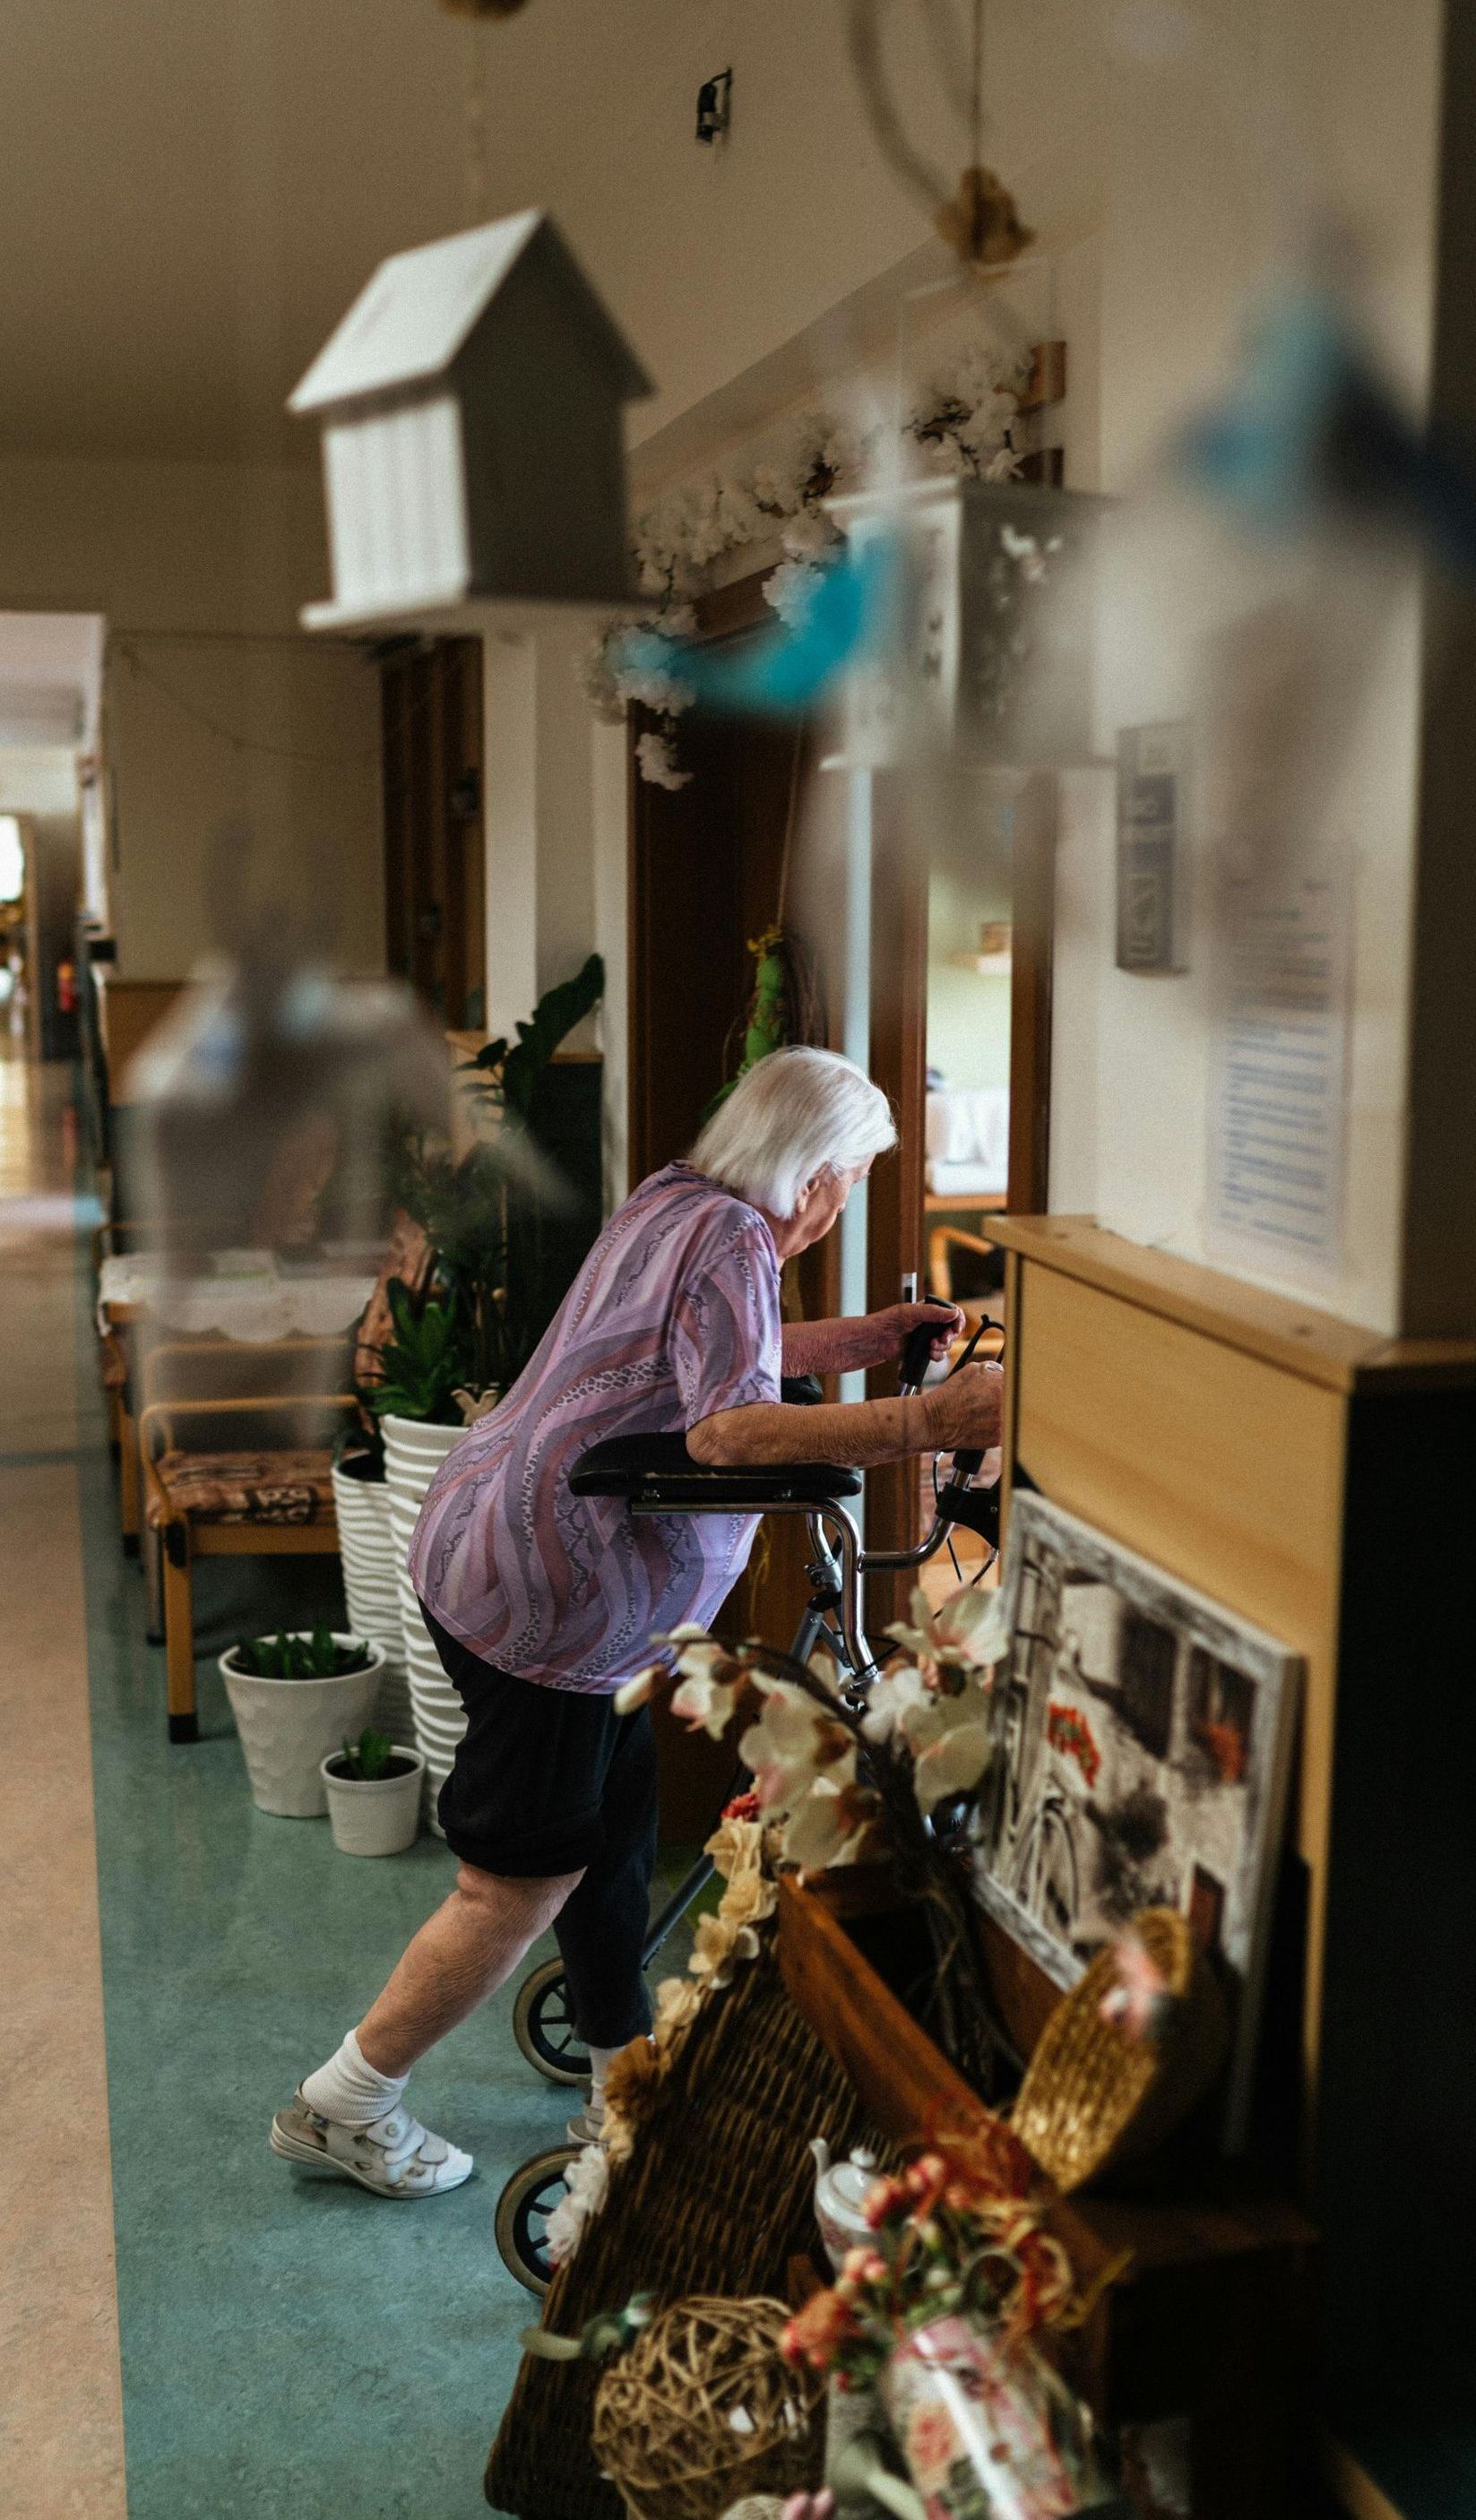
(600, 2058)
(349, 2091)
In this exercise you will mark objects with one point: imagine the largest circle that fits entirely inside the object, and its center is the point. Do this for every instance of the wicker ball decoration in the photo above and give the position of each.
(703, 2410)
(1094, 2098)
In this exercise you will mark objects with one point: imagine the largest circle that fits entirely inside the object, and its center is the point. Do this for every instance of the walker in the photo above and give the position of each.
(657, 1474)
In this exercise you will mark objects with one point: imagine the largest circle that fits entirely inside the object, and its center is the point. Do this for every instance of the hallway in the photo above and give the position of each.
(185, 2329)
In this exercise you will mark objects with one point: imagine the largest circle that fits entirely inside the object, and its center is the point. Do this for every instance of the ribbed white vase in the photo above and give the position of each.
(372, 1590)
(289, 1727)
(412, 1454)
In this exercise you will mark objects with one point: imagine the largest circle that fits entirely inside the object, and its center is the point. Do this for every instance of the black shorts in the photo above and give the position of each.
(541, 1776)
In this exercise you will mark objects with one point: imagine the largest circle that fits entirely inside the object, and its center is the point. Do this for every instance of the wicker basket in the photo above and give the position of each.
(718, 2197)
(1093, 2098)
(703, 2410)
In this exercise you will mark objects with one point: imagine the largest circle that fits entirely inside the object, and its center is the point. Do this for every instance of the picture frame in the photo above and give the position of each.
(1144, 1748)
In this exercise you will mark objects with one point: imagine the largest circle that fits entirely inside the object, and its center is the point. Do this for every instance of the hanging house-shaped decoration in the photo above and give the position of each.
(472, 448)
(988, 656)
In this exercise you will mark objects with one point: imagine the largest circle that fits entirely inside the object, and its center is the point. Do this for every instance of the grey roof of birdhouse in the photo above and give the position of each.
(420, 308)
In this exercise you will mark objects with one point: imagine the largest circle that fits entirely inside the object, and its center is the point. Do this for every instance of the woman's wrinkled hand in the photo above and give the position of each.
(945, 1319)
(965, 1411)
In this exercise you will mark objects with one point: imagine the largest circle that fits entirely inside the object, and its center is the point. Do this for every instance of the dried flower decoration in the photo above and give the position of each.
(981, 224)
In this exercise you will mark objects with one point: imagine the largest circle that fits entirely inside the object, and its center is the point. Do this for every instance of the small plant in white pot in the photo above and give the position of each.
(293, 1698)
(373, 1795)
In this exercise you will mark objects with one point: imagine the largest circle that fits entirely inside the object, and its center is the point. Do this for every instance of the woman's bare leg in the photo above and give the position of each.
(460, 1955)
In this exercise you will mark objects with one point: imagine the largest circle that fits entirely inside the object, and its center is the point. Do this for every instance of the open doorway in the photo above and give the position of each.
(53, 855)
(950, 991)
(947, 965)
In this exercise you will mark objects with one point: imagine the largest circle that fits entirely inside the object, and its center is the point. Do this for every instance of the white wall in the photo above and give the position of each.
(1193, 224)
(217, 709)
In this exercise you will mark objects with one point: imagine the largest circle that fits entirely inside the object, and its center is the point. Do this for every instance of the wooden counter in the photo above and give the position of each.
(1320, 1479)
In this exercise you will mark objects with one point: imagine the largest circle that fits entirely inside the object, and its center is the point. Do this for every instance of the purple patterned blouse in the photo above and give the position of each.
(674, 1316)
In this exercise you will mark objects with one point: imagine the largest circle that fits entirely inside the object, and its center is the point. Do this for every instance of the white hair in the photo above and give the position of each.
(796, 1115)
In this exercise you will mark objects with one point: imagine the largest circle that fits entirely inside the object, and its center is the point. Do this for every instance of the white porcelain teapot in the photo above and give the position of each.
(841, 2193)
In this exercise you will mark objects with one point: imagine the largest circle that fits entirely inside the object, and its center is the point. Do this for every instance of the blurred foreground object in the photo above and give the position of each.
(268, 1100)
(472, 449)
(1310, 434)
(987, 653)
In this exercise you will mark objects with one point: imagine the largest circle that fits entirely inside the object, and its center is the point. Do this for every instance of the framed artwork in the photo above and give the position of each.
(1145, 1742)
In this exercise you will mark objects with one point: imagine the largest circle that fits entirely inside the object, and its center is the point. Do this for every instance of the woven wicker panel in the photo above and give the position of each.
(717, 2198)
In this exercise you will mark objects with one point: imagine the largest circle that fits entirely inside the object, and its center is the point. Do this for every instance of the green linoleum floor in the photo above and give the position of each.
(290, 2345)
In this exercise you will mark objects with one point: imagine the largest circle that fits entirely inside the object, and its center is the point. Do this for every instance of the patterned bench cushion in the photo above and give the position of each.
(245, 1487)
(112, 1361)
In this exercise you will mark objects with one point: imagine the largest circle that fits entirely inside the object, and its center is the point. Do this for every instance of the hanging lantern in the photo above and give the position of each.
(988, 656)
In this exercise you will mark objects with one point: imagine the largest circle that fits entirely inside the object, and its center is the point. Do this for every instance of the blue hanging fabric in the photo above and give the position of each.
(791, 669)
(1310, 430)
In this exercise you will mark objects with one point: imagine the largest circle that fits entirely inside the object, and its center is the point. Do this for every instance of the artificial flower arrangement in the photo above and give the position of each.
(724, 1940)
(938, 2316)
(963, 419)
(895, 1778)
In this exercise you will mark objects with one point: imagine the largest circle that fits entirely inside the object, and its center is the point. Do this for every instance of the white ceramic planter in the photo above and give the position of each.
(378, 1816)
(372, 1590)
(412, 1454)
(289, 1727)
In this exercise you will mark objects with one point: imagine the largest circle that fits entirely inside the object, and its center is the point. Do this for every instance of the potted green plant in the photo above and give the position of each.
(373, 1794)
(293, 1698)
(423, 1366)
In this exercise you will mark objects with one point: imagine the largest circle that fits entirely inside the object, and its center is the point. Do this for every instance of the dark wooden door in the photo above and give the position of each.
(434, 849)
(706, 870)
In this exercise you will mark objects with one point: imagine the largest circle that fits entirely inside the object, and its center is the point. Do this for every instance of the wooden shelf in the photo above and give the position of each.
(1207, 2315)
(1281, 1330)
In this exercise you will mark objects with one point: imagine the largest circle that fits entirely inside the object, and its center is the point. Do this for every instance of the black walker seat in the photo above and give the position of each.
(656, 1473)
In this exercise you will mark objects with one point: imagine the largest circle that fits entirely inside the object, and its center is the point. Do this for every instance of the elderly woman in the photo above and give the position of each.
(542, 1603)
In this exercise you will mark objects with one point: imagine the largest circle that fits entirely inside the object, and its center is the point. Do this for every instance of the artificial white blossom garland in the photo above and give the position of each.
(964, 422)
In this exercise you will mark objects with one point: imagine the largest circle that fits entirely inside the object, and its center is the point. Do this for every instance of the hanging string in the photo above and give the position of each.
(475, 111)
(238, 741)
(790, 819)
(918, 172)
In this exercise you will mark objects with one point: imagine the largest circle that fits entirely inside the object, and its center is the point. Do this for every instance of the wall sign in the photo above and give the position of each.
(1152, 859)
(1279, 1085)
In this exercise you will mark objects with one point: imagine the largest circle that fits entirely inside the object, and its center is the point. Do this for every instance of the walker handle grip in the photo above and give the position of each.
(917, 1354)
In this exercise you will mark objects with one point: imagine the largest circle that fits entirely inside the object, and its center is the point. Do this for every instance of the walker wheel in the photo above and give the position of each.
(543, 2030)
(523, 2215)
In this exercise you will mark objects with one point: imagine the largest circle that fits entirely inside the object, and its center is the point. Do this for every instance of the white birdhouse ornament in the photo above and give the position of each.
(473, 439)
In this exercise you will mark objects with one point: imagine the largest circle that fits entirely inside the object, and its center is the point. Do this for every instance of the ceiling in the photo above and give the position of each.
(190, 194)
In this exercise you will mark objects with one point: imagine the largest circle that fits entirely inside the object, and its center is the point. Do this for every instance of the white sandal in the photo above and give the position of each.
(393, 2157)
